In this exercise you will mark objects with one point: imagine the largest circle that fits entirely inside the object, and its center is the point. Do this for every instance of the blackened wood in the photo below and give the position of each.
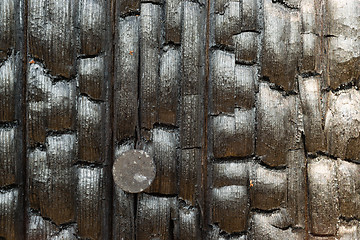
(91, 124)
(189, 175)
(342, 124)
(155, 216)
(92, 77)
(281, 45)
(170, 76)
(52, 179)
(165, 153)
(51, 29)
(150, 30)
(268, 188)
(93, 20)
(126, 77)
(323, 196)
(92, 203)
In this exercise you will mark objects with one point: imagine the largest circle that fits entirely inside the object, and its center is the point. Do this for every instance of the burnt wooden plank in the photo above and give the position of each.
(154, 217)
(222, 82)
(8, 84)
(150, 40)
(342, 35)
(168, 92)
(246, 47)
(230, 197)
(93, 20)
(92, 203)
(192, 48)
(323, 196)
(61, 106)
(228, 23)
(164, 150)
(9, 156)
(342, 124)
(310, 96)
(10, 214)
(125, 7)
(51, 104)
(296, 187)
(52, 35)
(92, 140)
(277, 125)
(126, 77)
(250, 15)
(173, 11)
(281, 45)
(8, 26)
(219, 5)
(92, 77)
(348, 177)
(191, 121)
(245, 86)
(188, 223)
(233, 136)
(310, 18)
(40, 228)
(189, 174)
(123, 215)
(269, 188)
(230, 207)
(273, 226)
(52, 178)
(350, 230)
(231, 173)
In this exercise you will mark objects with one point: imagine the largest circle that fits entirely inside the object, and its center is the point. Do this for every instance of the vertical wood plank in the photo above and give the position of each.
(126, 77)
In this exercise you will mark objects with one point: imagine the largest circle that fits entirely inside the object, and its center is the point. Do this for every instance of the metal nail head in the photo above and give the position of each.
(134, 171)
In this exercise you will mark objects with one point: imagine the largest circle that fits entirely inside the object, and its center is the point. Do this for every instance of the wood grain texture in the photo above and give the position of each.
(9, 157)
(230, 200)
(91, 122)
(281, 45)
(8, 26)
(168, 91)
(8, 79)
(249, 109)
(222, 82)
(342, 36)
(277, 122)
(155, 216)
(341, 124)
(269, 188)
(150, 34)
(10, 214)
(233, 136)
(92, 80)
(189, 175)
(173, 11)
(188, 223)
(165, 155)
(123, 204)
(126, 77)
(52, 178)
(192, 49)
(323, 196)
(93, 19)
(310, 96)
(52, 37)
(92, 203)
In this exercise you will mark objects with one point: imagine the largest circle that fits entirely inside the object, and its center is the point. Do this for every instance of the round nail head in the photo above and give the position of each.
(134, 171)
